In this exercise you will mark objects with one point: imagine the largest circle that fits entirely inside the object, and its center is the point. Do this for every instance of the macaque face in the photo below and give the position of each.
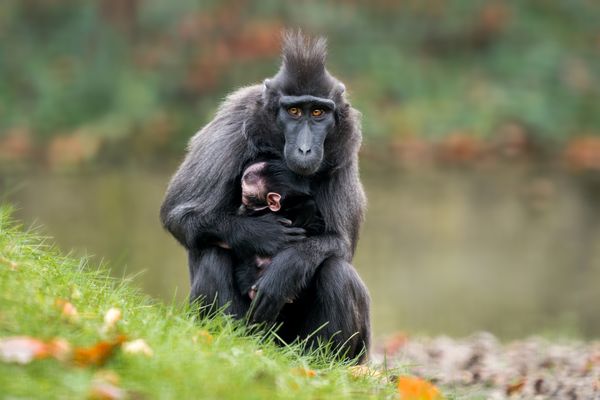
(306, 121)
(255, 190)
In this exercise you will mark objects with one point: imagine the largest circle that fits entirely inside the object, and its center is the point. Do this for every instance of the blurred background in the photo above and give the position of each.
(481, 155)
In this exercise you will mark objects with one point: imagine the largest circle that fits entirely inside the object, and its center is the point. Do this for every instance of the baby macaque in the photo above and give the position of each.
(269, 186)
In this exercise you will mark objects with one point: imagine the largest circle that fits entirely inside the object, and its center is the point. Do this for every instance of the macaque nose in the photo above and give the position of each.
(304, 150)
(304, 141)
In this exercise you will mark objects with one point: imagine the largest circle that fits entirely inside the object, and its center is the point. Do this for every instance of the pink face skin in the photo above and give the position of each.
(253, 186)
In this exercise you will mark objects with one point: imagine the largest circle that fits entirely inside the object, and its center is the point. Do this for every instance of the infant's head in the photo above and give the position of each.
(258, 191)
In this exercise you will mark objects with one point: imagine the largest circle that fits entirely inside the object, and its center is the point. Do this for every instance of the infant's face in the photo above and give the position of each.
(255, 193)
(252, 198)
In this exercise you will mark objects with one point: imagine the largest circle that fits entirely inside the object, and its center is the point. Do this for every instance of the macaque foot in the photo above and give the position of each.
(252, 294)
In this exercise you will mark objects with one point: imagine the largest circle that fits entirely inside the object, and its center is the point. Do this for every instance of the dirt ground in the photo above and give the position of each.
(480, 366)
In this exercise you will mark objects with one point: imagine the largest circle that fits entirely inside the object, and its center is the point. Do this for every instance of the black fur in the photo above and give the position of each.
(201, 202)
(297, 205)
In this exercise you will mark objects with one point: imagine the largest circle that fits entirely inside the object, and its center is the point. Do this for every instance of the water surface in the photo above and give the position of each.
(514, 250)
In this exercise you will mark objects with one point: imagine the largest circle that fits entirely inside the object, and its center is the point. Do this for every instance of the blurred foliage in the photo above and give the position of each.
(139, 77)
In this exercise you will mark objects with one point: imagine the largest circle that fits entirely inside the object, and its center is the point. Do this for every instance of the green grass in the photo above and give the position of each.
(234, 364)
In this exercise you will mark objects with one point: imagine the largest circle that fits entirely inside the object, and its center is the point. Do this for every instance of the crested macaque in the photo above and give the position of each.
(300, 115)
(269, 186)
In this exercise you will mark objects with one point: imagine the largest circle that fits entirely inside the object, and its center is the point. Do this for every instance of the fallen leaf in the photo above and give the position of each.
(413, 388)
(11, 264)
(107, 375)
(138, 346)
(395, 342)
(97, 354)
(112, 316)
(67, 309)
(305, 372)
(24, 349)
(515, 387)
(60, 349)
(106, 389)
(202, 337)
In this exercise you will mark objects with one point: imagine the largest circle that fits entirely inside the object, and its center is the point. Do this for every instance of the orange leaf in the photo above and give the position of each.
(67, 309)
(59, 349)
(305, 372)
(515, 387)
(97, 354)
(395, 342)
(413, 388)
(202, 337)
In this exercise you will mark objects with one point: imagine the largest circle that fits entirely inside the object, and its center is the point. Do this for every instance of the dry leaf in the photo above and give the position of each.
(515, 387)
(305, 372)
(97, 354)
(202, 337)
(413, 388)
(11, 264)
(105, 386)
(138, 346)
(24, 349)
(102, 390)
(59, 349)
(67, 309)
(395, 342)
(111, 318)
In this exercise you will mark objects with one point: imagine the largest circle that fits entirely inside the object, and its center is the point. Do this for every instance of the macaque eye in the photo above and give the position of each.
(294, 111)
(317, 112)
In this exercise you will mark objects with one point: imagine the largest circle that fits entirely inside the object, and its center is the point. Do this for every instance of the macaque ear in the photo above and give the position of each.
(270, 90)
(273, 201)
(337, 91)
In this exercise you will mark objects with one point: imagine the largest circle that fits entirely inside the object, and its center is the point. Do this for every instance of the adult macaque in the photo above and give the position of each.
(301, 116)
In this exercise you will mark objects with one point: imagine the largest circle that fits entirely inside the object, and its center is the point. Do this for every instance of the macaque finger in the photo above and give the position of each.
(296, 238)
(252, 292)
(295, 231)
